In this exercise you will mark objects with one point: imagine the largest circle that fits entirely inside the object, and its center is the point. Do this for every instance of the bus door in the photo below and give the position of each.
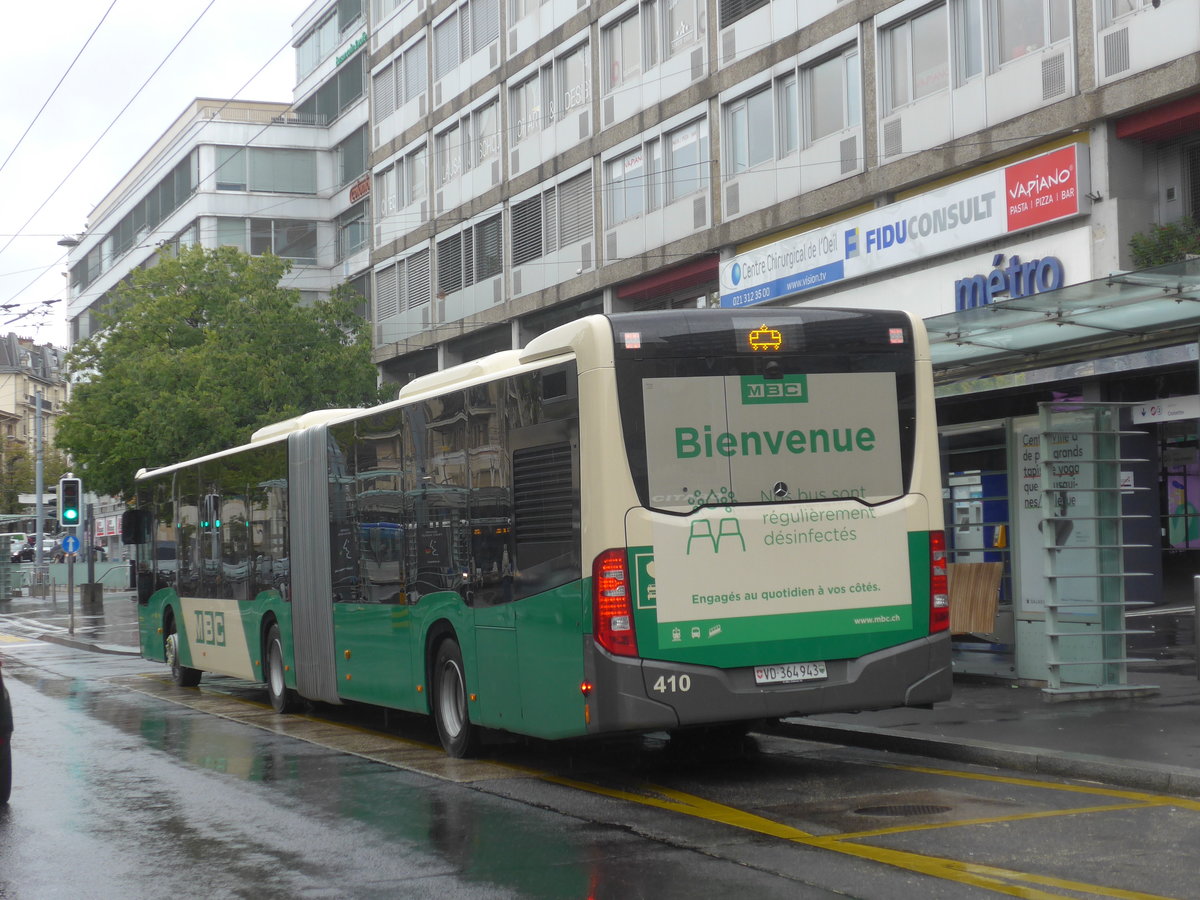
(372, 617)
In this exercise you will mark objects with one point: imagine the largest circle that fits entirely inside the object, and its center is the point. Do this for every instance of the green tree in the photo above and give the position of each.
(18, 474)
(1164, 244)
(198, 351)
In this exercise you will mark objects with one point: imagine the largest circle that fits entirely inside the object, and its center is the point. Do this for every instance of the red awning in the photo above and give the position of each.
(1162, 122)
(668, 281)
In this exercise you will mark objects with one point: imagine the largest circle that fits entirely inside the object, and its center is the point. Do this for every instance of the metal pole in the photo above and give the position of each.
(90, 525)
(39, 485)
(1196, 620)
(71, 591)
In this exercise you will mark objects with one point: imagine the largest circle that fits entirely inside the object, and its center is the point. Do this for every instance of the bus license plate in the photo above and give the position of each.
(788, 673)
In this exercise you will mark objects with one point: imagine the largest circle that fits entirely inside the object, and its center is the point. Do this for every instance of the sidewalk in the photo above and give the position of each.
(1147, 743)
(109, 626)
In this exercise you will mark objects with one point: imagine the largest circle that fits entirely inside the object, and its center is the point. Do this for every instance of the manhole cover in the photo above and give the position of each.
(903, 809)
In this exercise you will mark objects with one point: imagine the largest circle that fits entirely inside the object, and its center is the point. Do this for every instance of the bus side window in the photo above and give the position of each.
(490, 508)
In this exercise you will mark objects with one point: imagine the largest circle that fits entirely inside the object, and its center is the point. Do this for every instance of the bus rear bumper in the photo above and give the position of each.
(648, 695)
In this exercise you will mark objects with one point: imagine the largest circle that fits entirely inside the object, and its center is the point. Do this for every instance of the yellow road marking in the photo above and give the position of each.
(993, 820)
(1004, 881)
(1097, 790)
(13, 639)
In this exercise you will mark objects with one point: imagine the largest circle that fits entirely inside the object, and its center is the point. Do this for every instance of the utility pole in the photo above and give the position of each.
(39, 487)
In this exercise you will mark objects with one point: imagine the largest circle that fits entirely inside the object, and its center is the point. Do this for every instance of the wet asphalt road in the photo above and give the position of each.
(127, 786)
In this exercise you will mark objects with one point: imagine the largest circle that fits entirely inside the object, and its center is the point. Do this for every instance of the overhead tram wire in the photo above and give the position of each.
(46, 102)
(107, 129)
(59, 260)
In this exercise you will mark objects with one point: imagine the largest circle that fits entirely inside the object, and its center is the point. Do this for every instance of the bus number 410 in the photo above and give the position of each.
(673, 684)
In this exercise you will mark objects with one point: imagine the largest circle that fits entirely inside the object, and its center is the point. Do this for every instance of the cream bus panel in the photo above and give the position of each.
(216, 637)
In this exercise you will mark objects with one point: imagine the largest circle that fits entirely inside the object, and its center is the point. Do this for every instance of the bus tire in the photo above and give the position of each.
(182, 675)
(458, 736)
(283, 699)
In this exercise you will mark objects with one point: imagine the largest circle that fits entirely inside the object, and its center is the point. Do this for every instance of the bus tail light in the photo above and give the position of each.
(612, 606)
(939, 588)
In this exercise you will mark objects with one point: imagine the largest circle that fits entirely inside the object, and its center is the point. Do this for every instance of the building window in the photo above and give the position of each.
(729, 11)
(316, 45)
(266, 169)
(285, 238)
(834, 94)
(448, 148)
(352, 155)
(633, 183)
(916, 58)
(519, 9)
(402, 183)
(352, 231)
(749, 131)
(446, 47)
(470, 256)
(555, 218)
(574, 79)
(485, 129)
(469, 29)
(575, 210)
(401, 80)
(527, 230)
(336, 95)
(787, 94)
(525, 106)
(485, 23)
(687, 158)
(968, 40)
(682, 21)
(1115, 9)
(625, 187)
(622, 51)
(349, 12)
(403, 286)
(1025, 26)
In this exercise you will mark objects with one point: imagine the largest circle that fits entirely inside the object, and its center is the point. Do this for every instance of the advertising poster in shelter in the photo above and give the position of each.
(1055, 530)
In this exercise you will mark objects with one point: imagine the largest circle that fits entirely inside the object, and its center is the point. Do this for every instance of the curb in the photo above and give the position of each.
(1106, 770)
(111, 649)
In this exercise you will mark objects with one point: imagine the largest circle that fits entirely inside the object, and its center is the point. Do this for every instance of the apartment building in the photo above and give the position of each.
(29, 370)
(486, 169)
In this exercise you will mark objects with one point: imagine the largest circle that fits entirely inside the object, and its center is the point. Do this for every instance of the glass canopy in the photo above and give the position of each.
(1135, 304)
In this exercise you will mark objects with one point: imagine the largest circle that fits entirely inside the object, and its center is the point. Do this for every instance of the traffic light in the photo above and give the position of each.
(70, 496)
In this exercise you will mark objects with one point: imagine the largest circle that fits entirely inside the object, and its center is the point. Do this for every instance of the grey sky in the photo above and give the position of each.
(231, 41)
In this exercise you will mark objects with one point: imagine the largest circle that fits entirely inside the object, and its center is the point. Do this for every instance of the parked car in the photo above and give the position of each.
(19, 548)
(6, 729)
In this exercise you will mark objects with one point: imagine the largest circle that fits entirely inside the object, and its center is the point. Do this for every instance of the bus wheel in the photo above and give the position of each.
(457, 734)
(182, 675)
(283, 698)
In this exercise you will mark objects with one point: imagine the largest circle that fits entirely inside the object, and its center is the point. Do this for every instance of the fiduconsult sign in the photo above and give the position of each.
(1033, 192)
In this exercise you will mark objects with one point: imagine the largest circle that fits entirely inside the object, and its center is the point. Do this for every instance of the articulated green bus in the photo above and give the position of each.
(639, 522)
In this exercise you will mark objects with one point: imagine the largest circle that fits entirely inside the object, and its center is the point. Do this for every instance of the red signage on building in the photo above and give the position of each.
(360, 188)
(1042, 189)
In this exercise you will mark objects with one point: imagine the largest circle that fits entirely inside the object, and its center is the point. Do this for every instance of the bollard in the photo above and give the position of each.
(1196, 620)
